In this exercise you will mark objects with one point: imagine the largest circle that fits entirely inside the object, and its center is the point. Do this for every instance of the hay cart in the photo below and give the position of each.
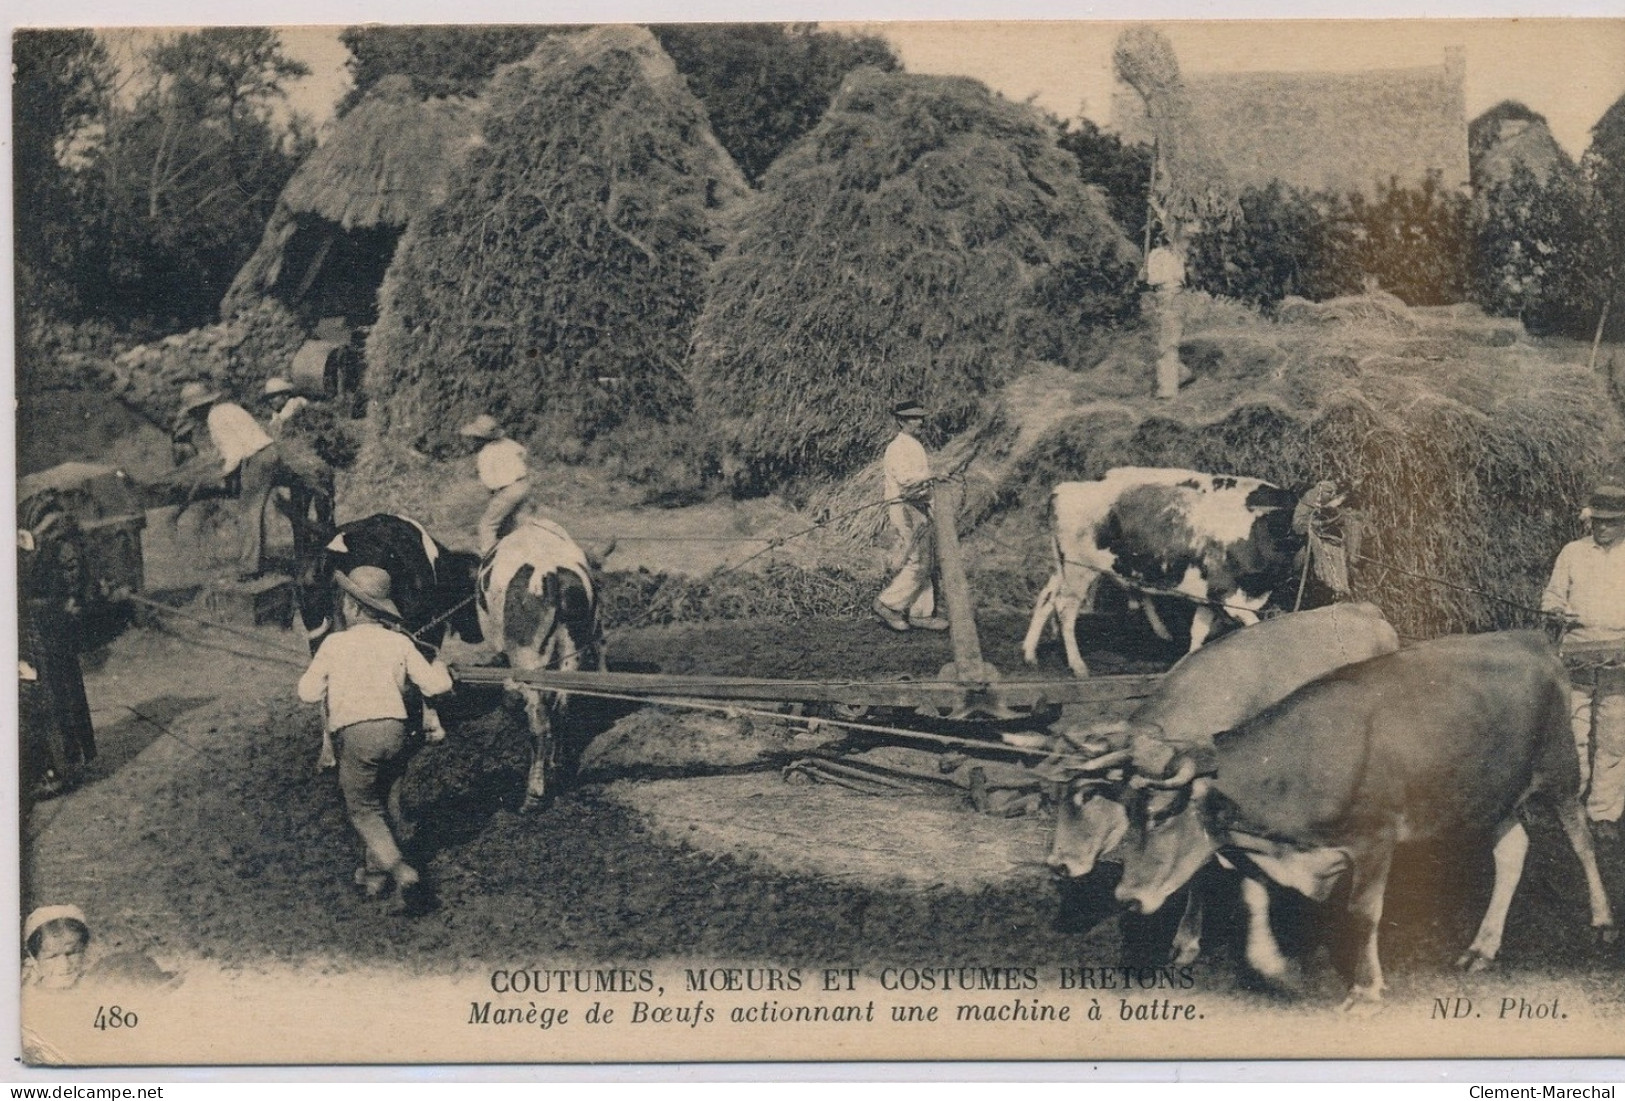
(968, 692)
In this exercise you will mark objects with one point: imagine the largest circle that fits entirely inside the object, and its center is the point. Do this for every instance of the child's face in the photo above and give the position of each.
(61, 957)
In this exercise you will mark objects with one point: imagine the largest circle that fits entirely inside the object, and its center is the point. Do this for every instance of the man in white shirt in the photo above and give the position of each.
(246, 450)
(362, 676)
(1588, 590)
(909, 601)
(504, 470)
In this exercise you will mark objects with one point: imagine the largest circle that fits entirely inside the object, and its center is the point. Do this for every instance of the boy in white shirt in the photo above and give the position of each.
(362, 675)
(503, 468)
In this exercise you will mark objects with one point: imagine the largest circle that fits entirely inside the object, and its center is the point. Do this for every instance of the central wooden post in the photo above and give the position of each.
(955, 587)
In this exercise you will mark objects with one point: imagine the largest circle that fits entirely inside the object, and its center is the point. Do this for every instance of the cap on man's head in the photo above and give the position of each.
(277, 385)
(909, 410)
(482, 427)
(1607, 502)
(195, 394)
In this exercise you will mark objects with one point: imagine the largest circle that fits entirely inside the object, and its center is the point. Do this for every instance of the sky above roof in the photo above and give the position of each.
(1568, 70)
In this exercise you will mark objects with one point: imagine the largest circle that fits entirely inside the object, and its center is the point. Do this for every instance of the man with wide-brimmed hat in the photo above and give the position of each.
(909, 601)
(310, 484)
(247, 451)
(503, 468)
(370, 678)
(1588, 591)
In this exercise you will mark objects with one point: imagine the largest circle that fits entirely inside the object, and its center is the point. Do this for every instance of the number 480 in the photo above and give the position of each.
(111, 1016)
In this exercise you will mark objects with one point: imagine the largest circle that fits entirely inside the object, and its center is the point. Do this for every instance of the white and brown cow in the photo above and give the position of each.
(538, 602)
(1226, 542)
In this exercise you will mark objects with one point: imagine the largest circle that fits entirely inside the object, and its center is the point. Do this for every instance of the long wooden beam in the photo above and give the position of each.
(870, 693)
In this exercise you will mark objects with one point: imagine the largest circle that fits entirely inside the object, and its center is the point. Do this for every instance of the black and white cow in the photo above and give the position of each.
(1224, 541)
(538, 602)
(433, 587)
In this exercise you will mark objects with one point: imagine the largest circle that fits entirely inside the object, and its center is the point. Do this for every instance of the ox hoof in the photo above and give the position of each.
(1361, 1005)
(1474, 962)
(532, 803)
(1605, 935)
(1184, 954)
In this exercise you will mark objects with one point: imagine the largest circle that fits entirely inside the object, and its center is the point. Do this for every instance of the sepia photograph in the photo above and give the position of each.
(716, 542)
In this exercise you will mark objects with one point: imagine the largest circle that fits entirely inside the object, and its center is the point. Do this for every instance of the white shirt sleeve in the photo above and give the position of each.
(236, 434)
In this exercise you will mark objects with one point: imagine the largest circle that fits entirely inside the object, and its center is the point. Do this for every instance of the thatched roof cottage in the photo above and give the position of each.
(1327, 131)
(334, 230)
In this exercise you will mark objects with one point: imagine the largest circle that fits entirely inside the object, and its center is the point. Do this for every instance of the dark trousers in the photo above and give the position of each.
(373, 756)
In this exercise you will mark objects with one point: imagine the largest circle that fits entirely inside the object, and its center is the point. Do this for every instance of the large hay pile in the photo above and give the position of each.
(1469, 461)
(557, 284)
(926, 238)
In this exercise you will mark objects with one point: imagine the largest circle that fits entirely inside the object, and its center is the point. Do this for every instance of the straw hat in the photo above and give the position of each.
(194, 394)
(277, 385)
(370, 586)
(911, 410)
(482, 427)
(47, 914)
(1607, 503)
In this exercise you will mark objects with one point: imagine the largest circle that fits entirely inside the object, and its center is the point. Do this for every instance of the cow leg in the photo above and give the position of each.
(325, 759)
(1245, 609)
(1572, 817)
(1068, 606)
(1158, 627)
(542, 749)
(1201, 627)
(1263, 953)
(1365, 906)
(1043, 609)
(1511, 846)
(1188, 937)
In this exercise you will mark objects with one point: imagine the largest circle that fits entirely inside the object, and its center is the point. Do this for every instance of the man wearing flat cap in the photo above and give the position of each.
(909, 601)
(1588, 591)
(503, 468)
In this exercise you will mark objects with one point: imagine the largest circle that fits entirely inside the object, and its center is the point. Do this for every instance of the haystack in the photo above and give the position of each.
(557, 285)
(924, 240)
(336, 224)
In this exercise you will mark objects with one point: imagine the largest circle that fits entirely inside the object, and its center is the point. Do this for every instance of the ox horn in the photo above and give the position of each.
(1183, 775)
(1104, 761)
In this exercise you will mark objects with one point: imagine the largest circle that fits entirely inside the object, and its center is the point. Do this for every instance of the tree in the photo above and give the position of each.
(1122, 171)
(1601, 269)
(60, 88)
(441, 61)
(187, 175)
(766, 84)
(1414, 241)
(1527, 242)
(1280, 245)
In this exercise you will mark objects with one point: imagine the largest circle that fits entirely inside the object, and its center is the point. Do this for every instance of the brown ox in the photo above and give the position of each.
(1211, 690)
(1443, 740)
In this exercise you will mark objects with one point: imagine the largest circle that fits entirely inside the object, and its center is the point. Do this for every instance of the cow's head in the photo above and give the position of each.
(1167, 840)
(313, 589)
(458, 581)
(1088, 765)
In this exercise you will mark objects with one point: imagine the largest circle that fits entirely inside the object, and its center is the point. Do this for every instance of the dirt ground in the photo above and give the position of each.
(206, 834)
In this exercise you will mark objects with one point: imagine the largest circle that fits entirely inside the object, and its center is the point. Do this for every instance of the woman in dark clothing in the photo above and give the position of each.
(56, 733)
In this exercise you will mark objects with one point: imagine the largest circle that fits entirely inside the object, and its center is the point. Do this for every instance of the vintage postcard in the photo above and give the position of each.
(906, 541)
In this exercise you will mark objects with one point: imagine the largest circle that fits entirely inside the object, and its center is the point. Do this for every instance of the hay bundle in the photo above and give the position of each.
(557, 284)
(1190, 183)
(924, 239)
